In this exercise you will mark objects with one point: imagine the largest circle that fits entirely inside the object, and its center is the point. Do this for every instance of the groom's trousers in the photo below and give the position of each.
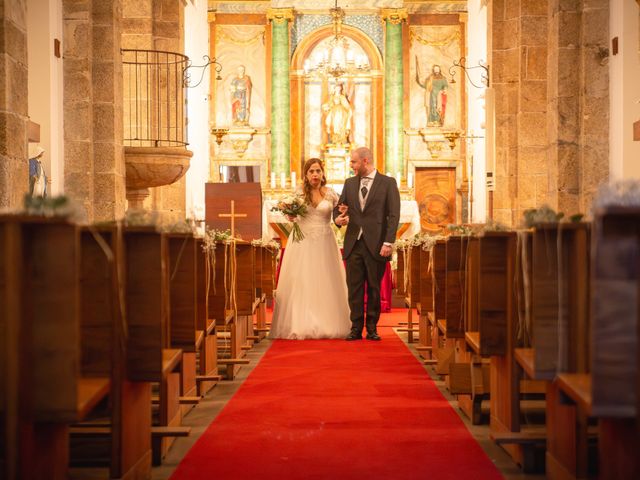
(363, 268)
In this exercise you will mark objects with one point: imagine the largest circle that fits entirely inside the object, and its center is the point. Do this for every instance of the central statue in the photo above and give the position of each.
(338, 117)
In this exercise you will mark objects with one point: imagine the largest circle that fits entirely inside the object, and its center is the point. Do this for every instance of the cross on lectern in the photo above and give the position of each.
(233, 215)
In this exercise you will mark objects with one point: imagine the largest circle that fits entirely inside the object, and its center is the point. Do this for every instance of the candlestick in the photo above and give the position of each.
(293, 179)
(273, 180)
(410, 180)
(283, 180)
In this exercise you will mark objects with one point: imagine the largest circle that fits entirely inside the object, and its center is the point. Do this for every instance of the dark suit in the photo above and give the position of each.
(379, 222)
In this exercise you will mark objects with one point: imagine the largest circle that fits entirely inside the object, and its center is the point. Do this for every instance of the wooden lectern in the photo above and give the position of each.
(247, 212)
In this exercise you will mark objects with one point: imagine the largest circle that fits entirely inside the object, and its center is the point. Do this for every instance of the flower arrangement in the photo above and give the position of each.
(212, 236)
(293, 207)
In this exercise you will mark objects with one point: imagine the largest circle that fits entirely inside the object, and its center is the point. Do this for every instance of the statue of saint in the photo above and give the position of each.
(240, 98)
(435, 95)
(338, 116)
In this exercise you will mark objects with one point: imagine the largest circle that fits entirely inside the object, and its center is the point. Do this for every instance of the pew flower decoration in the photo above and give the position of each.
(212, 237)
(59, 206)
(270, 245)
(293, 207)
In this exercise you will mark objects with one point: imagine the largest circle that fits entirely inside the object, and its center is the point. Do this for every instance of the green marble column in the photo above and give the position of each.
(280, 92)
(393, 95)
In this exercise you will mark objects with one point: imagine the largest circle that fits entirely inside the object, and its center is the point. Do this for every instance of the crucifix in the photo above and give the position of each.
(233, 215)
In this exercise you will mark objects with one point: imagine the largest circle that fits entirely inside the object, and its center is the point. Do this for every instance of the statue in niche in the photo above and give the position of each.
(435, 95)
(338, 116)
(240, 98)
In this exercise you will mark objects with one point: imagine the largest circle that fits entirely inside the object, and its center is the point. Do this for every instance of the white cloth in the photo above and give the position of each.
(311, 298)
(409, 213)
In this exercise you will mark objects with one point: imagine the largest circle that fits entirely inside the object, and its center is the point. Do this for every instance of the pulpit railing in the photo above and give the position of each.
(154, 98)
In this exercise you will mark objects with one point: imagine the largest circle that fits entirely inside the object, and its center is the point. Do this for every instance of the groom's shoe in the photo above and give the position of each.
(373, 336)
(353, 336)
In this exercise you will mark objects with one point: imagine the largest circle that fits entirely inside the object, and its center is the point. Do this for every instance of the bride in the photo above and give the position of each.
(311, 298)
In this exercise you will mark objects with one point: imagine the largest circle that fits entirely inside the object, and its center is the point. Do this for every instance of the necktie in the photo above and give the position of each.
(364, 191)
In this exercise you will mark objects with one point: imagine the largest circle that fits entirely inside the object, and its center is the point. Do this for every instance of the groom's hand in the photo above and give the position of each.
(386, 250)
(342, 219)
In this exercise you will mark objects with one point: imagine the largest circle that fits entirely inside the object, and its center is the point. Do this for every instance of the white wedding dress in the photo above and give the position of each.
(311, 297)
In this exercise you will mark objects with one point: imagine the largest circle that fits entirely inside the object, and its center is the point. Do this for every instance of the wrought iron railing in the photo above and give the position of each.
(154, 98)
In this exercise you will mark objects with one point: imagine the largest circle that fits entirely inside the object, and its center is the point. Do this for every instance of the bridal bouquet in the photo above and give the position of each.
(292, 206)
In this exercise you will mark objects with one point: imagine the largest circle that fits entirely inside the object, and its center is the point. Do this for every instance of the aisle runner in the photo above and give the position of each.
(330, 409)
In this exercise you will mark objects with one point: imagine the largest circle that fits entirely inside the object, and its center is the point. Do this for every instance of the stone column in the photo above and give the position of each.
(109, 169)
(94, 160)
(519, 69)
(578, 103)
(393, 91)
(78, 104)
(14, 165)
(280, 91)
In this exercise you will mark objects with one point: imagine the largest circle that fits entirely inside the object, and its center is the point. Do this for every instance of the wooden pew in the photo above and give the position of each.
(615, 365)
(184, 333)
(208, 352)
(441, 347)
(42, 387)
(412, 292)
(150, 357)
(561, 353)
(425, 307)
(260, 327)
(469, 374)
(500, 258)
(125, 441)
(225, 302)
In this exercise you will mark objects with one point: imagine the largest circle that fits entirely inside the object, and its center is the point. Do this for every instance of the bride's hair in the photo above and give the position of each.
(306, 185)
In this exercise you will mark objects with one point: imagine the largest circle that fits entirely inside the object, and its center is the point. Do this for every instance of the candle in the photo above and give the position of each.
(293, 179)
(283, 180)
(399, 178)
(410, 180)
(273, 180)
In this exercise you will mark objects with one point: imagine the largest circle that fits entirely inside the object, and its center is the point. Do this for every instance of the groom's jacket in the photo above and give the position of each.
(379, 218)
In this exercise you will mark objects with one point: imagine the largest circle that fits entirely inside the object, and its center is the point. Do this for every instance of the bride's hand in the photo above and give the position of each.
(291, 218)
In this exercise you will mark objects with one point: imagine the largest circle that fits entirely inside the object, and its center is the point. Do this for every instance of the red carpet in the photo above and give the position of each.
(330, 409)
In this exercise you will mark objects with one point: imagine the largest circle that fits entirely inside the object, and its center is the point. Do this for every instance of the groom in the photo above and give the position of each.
(370, 208)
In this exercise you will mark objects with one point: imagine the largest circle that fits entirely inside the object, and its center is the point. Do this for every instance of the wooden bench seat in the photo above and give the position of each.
(473, 341)
(525, 358)
(199, 338)
(576, 386)
(170, 360)
(531, 441)
(90, 392)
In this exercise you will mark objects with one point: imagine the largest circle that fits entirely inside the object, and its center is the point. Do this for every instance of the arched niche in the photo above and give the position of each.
(304, 117)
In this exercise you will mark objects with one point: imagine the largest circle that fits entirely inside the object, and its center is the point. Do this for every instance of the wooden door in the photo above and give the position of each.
(436, 197)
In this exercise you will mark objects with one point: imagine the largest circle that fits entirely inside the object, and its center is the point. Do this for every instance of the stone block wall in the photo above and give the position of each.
(94, 158)
(578, 101)
(551, 88)
(158, 25)
(14, 165)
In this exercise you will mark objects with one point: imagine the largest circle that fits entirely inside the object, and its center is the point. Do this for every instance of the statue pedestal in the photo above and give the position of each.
(336, 162)
(240, 138)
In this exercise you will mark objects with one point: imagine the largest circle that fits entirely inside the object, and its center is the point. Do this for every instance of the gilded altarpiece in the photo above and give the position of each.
(435, 117)
(240, 100)
(315, 96)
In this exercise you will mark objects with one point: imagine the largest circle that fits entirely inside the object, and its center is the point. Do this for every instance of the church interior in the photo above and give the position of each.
(144, 148)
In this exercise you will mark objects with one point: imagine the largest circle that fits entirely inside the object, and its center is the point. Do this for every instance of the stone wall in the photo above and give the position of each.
(158, 25)
(519, 39)
(578, 101)
(94, 158)
(551, 85)
(14, 167)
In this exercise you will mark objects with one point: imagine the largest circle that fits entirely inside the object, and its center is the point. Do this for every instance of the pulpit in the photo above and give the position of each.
(246, 216)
